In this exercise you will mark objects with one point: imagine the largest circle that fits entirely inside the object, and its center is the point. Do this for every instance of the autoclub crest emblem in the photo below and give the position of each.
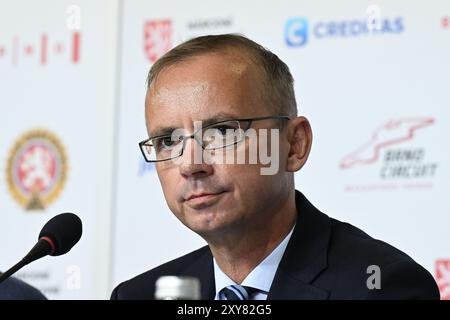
(37, 169)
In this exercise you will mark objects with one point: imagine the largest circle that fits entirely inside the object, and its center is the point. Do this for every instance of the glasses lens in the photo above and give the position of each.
(149, 151)
(162, 148)
(222, 134)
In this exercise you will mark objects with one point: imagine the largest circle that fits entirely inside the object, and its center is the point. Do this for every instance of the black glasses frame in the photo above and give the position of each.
(194, 135)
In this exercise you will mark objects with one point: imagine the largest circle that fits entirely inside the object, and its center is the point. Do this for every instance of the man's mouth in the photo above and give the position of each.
(203, 199)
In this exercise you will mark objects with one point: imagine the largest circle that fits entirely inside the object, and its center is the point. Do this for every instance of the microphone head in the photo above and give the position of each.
(64, 230)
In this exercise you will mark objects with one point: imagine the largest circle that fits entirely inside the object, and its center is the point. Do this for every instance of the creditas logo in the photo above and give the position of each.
(157, 38)
(298, 30)
(443, 278)
(391, 150)
(36, 169)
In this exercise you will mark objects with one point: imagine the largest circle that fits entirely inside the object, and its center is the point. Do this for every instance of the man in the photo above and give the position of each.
(15, 289)
(265, 240)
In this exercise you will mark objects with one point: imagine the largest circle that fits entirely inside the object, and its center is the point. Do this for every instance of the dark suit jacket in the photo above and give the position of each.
(15, 289)
(324, 259)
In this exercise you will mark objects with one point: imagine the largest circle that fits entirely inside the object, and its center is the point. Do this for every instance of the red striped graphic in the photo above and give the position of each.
(76, 47)
(44, 49)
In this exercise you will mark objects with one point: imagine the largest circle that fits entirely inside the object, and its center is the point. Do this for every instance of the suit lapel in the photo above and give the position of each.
(286, 287)
(203, 269)
(305, 256)
(209, 284)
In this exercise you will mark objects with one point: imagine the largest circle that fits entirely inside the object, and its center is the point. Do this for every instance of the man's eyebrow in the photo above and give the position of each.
(221, 116)
(163, 131)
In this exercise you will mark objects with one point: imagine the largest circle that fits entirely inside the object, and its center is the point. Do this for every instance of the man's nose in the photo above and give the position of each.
(192, 164)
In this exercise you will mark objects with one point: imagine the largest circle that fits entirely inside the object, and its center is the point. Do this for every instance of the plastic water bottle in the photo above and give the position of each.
(177, 288)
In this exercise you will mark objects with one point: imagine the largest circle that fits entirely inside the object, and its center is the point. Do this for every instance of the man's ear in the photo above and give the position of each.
(299, 135)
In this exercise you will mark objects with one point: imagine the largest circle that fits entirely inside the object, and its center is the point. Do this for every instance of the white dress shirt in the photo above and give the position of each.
(261, 276)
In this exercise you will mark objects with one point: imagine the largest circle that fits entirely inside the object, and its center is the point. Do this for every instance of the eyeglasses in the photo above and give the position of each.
(215, 136)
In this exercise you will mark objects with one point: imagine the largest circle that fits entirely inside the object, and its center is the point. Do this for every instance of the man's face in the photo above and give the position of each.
(212, 199)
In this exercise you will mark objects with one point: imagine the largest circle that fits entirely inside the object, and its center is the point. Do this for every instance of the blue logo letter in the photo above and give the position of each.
(296, 32)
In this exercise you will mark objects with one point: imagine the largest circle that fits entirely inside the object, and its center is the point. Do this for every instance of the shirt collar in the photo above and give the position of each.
(261, 277)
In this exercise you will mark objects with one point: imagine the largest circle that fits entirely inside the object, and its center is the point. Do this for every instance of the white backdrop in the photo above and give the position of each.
(371, 77)
(71, 96)
(349, 82)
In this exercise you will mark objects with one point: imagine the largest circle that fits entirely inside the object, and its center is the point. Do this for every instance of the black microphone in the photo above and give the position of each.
(57, 237)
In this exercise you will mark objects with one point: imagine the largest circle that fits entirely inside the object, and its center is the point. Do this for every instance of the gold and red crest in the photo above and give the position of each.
(36, 169)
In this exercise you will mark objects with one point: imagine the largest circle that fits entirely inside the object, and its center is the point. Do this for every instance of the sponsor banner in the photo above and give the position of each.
(377, 101)
(372, 79)
(51, 59)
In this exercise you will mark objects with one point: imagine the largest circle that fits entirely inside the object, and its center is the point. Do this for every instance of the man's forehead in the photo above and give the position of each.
(239, 67)
(170, 94)
(230, 62)
(194, 75)
(205, 88)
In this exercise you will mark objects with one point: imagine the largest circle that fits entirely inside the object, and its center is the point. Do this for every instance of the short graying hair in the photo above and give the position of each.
(278, 82)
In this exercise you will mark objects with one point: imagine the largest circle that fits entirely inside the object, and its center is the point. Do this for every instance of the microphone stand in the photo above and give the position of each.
(40, 249)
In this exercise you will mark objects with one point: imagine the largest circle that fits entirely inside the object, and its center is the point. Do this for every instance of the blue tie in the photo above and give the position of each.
(236, 292)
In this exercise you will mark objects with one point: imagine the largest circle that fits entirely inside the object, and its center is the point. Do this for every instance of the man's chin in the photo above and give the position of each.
(208, 225)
